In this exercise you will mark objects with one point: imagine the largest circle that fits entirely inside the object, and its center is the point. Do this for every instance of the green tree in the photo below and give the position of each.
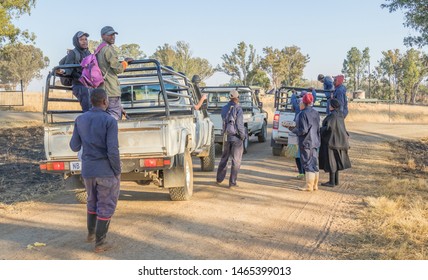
(284, 66)
(355, 67)
(180, 58)
(390, 72)
(416, 17)
(10, 9)
(258, 77)
(415, 70)
(239, 63)
(132, 51)
(21, 62)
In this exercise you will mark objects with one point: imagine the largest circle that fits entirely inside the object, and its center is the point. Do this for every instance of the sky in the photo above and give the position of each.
(324, 30)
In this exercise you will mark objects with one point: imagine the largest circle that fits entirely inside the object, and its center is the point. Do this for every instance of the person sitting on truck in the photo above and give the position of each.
(108, 61)
(233, 145)
(328, 87)
(80, 42)
(97, 133)
(307, 130)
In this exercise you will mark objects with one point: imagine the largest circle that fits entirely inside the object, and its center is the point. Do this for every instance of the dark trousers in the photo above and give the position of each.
(309, 159)
(233, 149)
(103, 194)
(82, 94)
(115, 108)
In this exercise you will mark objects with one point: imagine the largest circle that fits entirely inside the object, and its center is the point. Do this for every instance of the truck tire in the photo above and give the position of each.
(143, 182)
(81, 196)
(208, 162)
(276, 151)
(263, 133)
(185, 192)
(246, 140)
(74, 182)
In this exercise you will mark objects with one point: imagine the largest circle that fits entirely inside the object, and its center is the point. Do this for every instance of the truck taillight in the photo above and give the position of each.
(276, 121)
(55, 166)
(155, 162)
(43, 166)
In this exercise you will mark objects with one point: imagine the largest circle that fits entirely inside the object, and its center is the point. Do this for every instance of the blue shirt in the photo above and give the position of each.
(308, 128)
(340, 95)
(97, 133)
(239, 121)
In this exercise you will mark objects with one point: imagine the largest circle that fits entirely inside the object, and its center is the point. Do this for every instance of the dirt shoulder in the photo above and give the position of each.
(266, 215)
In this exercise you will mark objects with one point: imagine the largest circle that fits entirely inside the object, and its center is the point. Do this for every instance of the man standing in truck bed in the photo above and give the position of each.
(97, 133)
(110, 66)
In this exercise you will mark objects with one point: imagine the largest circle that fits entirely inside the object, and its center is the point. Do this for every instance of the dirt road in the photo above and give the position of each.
(265, 218)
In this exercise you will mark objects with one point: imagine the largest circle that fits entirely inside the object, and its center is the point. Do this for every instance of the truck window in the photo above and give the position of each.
(132, 93)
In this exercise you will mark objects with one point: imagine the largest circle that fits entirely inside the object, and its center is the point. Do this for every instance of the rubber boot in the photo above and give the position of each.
(309, 184)
(101, 244)
(336, 178)
(330, 183)
(91, 223)
(317, 178)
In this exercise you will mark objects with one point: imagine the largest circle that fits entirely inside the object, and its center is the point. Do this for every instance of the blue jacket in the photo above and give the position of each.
(239, 121)
(97, 132)
(340, 95)
(328, 86)
(308, 128)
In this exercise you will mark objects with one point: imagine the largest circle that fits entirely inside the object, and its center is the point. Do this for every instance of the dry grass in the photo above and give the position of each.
(394, 221)
(33, 102)
(383, 113)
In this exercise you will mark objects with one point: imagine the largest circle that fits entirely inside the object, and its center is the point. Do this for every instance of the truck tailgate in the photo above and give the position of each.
(136, 138)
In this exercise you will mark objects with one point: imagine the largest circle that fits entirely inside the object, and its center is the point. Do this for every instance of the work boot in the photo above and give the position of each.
(91, 223)
(317, 178)
(309, 184)
(336, 178)
(330, 183)
(101, 244)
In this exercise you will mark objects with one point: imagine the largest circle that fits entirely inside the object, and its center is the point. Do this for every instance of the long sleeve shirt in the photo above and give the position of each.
(97, 133)
(110, 66)
(308, 128)
(239, 121)
(340, 95)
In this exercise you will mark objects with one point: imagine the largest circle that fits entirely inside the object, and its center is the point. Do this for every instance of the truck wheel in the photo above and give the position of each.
(263, 133)
(246, 140)
(276, 151)
(81, 196)
(208, 162)
(74, 182)
(185, 192)
(143, 182)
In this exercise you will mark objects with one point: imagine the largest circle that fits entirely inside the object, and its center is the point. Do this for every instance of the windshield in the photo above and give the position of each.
(142, 93)
(219, 99)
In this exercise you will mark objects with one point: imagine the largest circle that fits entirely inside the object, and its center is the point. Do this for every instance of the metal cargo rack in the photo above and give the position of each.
(146, 68)
(283, 98)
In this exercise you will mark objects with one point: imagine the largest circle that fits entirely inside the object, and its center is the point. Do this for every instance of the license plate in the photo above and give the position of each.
(75, 166)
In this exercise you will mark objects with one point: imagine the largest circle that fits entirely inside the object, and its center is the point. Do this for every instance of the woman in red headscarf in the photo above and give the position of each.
(308, 131)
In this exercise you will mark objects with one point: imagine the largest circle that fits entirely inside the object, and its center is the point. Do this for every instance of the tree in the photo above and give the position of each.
(180, 58)
(416, 17)
(284, 66)
(355, 65)
(415, 70)
(132, 51)
(390, 72)
(258, 77)
(239, 63)
(21, 62)
(10, 9)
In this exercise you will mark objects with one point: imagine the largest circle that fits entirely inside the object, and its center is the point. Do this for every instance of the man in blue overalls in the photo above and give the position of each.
(327, 83)
(97, 133)
(233, 145)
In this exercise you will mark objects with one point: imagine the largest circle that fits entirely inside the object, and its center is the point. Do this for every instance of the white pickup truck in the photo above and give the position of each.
(156, 142)
(255, 118)
(284, 115)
